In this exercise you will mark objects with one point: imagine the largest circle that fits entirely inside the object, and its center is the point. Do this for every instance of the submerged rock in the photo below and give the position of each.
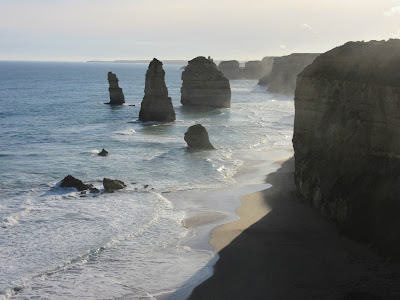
(230, 69)
(204, 85)
(347, 139)
(116, 95)
(197, 138)
(103, 153)
(72, 182)
(113, 184)
(156, 105)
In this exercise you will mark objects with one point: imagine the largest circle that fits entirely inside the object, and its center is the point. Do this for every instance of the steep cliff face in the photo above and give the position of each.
(230, 69)
(156, 105)
(282, 79)
(116, 95)
(252, 69)
(347, 139)
(204, 85)
(267, 64)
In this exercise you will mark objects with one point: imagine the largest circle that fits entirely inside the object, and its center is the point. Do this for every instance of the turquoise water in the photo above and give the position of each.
(55, 243)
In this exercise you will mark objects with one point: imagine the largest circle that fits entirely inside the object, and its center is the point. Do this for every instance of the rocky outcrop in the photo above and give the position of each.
(156, 105)
(72, 182)
(111, 185)
(252, 70)
(282, 79)
(347, 139)
(116, 95)
(103, 152)
(204, 85)
(267, 64)
(230, 69)
(197, 138)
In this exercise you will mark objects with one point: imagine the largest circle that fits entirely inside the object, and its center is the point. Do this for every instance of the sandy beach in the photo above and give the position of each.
(281, 248)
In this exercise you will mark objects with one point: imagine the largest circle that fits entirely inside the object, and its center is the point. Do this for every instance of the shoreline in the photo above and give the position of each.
(292, 253)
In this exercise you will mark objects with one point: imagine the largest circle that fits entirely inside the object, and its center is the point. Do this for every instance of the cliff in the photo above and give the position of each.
(267, 64)
(347, 139)
(204, 85)
(116, 95)
(230, 69)
(282, 79)
(252, 69)
(156, 105)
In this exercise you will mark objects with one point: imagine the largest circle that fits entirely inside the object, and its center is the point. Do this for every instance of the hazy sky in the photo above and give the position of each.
(182, 29)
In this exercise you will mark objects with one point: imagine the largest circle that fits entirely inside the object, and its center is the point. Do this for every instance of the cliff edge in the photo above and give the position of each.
(347, 140)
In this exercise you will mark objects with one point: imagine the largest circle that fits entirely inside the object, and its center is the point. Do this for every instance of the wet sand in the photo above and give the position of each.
(281, 248)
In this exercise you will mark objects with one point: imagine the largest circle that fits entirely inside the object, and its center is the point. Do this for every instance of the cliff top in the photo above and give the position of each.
(376, 62)
(201, 60)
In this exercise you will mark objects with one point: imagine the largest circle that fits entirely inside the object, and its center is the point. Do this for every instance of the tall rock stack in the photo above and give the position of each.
(204, 85)
(230, 69)
(156, 105)
(116, 94)
(347, 139)
(282, 79)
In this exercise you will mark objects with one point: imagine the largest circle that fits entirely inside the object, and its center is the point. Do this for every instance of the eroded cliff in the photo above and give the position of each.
(282, 79)
(347, 139)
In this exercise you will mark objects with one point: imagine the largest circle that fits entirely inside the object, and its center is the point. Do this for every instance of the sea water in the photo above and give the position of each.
(58, 244)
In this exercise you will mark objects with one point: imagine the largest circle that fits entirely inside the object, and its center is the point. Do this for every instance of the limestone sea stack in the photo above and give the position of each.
(347, 139)
(230, 69)
(116, 95)
(156, 105)
(204, 85)
(282, 79)
(252, 69)
(267, 64)
(197, 138)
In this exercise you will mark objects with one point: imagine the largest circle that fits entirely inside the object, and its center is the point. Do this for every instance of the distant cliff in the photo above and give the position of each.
(230, 69)
(267, 64)
(282, 79)
(347, 139)
(252, 69)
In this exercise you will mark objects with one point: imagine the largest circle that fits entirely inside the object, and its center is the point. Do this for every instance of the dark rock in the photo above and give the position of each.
(347, 140)
(72, 182)
(146, 186)
(252, 70)
(116, 95)
(112, 184)
(94, 191)
(83, 193)
(282, 79)
(103, 153)
(197, 138)
(230, 69)
(204, 85)
(156, 105)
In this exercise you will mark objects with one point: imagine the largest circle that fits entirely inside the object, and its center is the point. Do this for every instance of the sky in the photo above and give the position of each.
(81, 30)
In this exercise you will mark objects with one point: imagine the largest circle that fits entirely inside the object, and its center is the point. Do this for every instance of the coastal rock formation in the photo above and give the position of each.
(252, 69)
(347, 139)
(197, 138)
(267, 64)
(282, 79)
(204, 85)
(116, 95)
(230, 69)
(156, 105)
(113, 184)
(103, 152)
(72, 182)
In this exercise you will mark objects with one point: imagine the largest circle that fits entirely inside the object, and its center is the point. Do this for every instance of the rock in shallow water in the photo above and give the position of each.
(204, 85)
(103, 153)
(72, 182)
(197, 138)
(113, 184)
(156, 105)
(116, 95)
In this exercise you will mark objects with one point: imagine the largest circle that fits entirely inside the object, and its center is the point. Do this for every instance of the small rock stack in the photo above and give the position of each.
(116, 95)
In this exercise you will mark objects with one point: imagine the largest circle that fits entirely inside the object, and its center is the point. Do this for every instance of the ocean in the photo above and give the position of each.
(58, 244)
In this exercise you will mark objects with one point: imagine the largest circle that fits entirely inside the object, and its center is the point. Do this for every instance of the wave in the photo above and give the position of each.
(13, 220)
(126, 132)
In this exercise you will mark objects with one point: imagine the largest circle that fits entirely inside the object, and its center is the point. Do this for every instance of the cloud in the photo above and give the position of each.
(283, 46)
(393, 11)
(309, 28)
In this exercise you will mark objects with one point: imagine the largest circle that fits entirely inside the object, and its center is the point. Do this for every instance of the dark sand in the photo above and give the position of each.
(281, 248)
